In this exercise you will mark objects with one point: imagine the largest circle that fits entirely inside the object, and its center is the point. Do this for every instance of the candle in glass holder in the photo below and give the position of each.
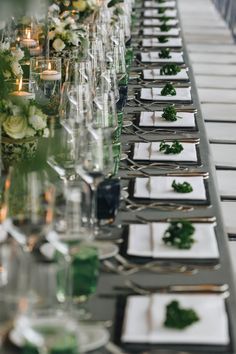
(21, 96)
(50, 75)
(28, 42)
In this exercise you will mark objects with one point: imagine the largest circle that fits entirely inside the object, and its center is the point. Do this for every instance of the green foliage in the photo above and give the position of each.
(179, 318)
(179, 234)
(168, 90)
(174, 148)
(184, 187)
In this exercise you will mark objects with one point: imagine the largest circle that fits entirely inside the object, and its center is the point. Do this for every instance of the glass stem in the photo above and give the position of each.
(94, 220)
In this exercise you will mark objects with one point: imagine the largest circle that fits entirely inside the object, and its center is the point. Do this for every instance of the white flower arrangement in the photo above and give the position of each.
(22, 121)
(10, 68)
(64, 33)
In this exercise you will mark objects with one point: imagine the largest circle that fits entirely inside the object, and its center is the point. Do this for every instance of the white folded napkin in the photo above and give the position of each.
(154, 74)
(154, 94)
(154, 119)
(150, 152)
(153, 42)
(154, 13)
(156, 5)
(157, 22)
(153, 57)
(155, 31)
(159, 187)
(146, 241)
(145, 315)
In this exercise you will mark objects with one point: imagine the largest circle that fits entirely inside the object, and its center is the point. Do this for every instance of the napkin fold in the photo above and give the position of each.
(154, 94)
(145, 315)
(159, 187)
(150, 152)
(154, 13)
(154, 119)
(171, 43)
(155, 31)
(157, 22)
(146, 241)
(154, 74)
(156, 5)
(153, 57)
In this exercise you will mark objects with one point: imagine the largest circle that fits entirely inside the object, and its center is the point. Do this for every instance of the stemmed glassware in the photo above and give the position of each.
(95, 164)
(30, 207)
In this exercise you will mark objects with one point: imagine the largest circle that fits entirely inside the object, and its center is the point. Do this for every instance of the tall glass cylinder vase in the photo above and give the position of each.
(46, 74)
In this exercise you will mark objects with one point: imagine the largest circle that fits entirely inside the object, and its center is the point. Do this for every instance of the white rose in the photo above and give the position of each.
(46, 133)
(37, 122)
(54, 8)
(69, 21)
(74, 38)
(58, 45)
(16, 68)
(51, 35)
(4, 46)
(30, 132)
(15, 126)
(18, 54)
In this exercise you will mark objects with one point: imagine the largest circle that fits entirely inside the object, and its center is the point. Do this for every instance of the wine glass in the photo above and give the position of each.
(30, 207)
(95, 164)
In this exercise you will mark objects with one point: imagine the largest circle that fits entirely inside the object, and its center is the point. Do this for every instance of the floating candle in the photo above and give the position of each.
(50, 75)
(28, 42)
(22, 96)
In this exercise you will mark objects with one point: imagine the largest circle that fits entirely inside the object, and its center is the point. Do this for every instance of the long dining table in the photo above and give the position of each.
(142, 170)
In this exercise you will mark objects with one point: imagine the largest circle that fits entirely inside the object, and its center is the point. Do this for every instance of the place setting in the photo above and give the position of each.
(147, 58)
(183, 240)
(190, 320)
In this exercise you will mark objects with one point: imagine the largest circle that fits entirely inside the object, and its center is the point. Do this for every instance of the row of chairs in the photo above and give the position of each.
(227, 9)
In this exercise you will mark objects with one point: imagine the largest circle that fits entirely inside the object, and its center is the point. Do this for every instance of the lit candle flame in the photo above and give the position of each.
(28, 34)
(20, 84)
(49, 66)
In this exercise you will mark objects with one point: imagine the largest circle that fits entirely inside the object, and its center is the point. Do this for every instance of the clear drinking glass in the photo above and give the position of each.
(48, 324)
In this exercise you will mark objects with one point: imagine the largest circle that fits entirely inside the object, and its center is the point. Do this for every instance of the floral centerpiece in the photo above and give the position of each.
(10, 67)
(21, 124)
(82, 8)
(22, 121)
(64, 33)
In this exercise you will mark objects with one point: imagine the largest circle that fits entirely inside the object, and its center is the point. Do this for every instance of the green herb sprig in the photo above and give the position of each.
(170, 69)
(164, 19)
(162, 39)
(184, 187)
(164, 53)
(179, 234)
(179, 318)
(161, 10)
(164, 27)
(169, 113)
(168, 90)
(174, 148)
